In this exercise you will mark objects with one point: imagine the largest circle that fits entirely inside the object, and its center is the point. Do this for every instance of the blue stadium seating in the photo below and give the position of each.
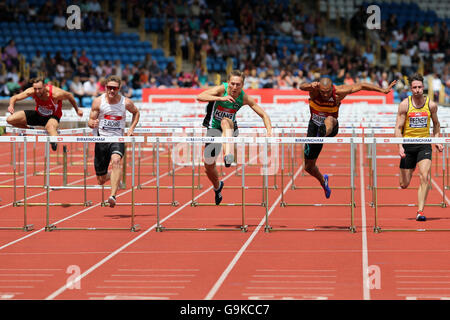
(33, 36)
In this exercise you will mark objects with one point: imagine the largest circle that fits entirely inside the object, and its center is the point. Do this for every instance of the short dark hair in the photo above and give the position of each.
(415, 77)
(236, 73)
(36, 80)
(114, 78)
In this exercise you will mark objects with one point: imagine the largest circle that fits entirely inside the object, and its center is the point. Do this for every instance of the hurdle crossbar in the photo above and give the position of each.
(199, 140)
(315, 140)
(88, 139)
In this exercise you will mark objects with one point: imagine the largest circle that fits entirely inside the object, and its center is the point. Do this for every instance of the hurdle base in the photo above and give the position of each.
(241, 228)
(237, 204)
(441, 204)
(53, 227)
(379, 230)
(351, 229)
(285, 204)
(44, 204)
(28, 227)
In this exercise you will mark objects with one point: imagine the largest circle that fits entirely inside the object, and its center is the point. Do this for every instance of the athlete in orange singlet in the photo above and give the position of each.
(325, 100)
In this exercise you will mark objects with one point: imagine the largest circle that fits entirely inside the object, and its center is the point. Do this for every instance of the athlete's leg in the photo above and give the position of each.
(330, 123)
(52, 127)
(424, 175)
(227, 126)
(116, 170)
(313, 170)
(405, 177)
(101, 180)
(18, 119)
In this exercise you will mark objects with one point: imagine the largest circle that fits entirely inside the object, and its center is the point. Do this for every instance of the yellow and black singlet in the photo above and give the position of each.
(417, 123)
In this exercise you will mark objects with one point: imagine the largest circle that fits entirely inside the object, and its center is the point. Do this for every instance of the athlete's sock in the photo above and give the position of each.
(326, 187)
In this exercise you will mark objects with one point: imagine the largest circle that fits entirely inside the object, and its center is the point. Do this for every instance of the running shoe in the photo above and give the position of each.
(228, 159)
(322, 131)
(112, 201)
(326, 188)
(420, 216)
(218, 193)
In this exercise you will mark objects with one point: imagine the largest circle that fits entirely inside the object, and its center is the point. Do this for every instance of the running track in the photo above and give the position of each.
(214, 265)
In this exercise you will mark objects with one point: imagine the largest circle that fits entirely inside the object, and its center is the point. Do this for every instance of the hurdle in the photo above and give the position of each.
(24, 140)
(36, 132)
(242, 141)
(85, 140)
(391, 140)
(335, 140)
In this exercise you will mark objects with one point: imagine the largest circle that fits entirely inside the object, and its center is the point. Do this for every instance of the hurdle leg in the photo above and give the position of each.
(159, 227)
(244, 227)
(267, 227)
(134, 227)
(352, 184)
(376, 228)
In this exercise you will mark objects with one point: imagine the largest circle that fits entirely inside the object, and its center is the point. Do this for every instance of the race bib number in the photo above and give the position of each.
(418, 120)
(111, 122)
(221, 113)
(45, 111)
(318, 119)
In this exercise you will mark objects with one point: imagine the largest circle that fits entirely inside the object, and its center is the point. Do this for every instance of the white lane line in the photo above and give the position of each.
(69, 284)
(238, 255)
(365, 253)
(71, 216)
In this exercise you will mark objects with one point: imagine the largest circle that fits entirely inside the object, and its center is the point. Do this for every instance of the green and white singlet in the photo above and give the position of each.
(218, 110)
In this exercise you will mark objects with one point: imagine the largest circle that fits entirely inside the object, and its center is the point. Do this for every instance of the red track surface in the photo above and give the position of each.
(196, 265)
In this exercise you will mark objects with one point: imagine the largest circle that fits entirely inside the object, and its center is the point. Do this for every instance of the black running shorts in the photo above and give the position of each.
(312, 150)
(103, 153)
(414, 154)
(212, 150)
(35, 119)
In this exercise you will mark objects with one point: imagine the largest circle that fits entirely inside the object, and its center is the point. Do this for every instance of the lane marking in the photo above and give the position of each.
(238, 255)
(365, 253)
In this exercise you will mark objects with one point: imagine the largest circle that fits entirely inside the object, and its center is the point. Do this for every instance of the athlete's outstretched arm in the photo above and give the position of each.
(309, 86)
(400, 123)
(20, 96)
(65, 95)
(214, 94)
(436, 123)
(93, 115)
(260, 112)
(348, 89)
(129, 105)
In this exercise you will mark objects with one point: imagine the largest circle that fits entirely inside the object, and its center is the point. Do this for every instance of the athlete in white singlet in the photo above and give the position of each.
(107, 118)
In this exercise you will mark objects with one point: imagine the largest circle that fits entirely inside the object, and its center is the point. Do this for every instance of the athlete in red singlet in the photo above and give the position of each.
(325, 100)
(48, 109)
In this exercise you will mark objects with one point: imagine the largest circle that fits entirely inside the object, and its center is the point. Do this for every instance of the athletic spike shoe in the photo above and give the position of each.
(54, 146)
(112, 201)
(228, 159)
(322, 131)
(420, 216)
(326, 188)
(218, 193)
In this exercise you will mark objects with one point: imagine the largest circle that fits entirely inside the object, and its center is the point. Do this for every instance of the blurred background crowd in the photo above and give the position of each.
(194, 43)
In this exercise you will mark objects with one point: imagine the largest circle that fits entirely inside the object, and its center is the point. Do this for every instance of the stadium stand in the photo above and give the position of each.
(279, 43)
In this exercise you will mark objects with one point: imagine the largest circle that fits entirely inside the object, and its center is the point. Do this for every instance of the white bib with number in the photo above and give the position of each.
(111, 118)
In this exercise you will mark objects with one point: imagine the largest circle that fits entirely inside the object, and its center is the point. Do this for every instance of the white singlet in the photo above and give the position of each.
(111, 118)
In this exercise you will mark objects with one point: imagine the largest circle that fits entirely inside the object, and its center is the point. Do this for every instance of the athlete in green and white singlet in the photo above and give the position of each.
(223, 102)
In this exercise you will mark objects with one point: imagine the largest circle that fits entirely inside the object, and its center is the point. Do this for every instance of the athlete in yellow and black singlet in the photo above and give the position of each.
(413, 121)
(417, 125)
